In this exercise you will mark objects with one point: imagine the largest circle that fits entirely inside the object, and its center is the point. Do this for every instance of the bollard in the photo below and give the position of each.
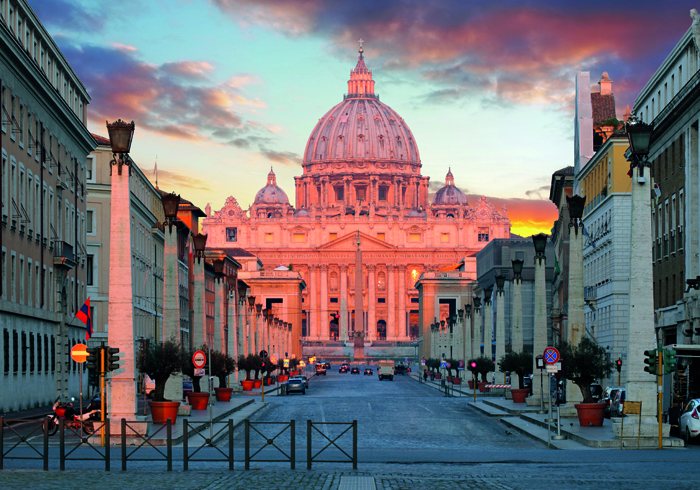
(559, 437)
(293, 454)
(46, 444)
(308, 444)
(354, 444)
(230, 444)
(61, 445)
(123, 437)
(169, 443)
(185, 445)
(107, 435)
(247, 444)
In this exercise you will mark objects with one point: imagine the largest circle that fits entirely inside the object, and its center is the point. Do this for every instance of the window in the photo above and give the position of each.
(414, 237)
(334, 300)
(332, 236)
(15, 352)
(339, 193)
(381, 300)
(21, 125)
(382, 193)
(445, 237)
(89, 270)
(361, 192)
(232, 234)
(38, 353)
(381, 236)
(6, 350)
(88, 222)
(298, 237)
(269, 237)
(24, 352)
(31, 352)
(334, 281)
(381, 281)
(483, 234)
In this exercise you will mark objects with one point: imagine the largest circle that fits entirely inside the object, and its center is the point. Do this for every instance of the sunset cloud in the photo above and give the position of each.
(176, 180)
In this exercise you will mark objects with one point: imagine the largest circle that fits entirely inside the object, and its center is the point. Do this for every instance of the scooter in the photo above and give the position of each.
(73, 418)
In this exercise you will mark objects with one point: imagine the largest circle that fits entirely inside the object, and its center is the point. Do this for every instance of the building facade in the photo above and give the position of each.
(361, 172)
(43, 149)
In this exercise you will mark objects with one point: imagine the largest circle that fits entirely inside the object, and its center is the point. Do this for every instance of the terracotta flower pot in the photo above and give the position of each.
(162, 411)
(268, 381)
(590, 414)
(198, 401)
(481, 386)
(519, 394)
(471, 384)
(438, 376)
(456, 380)
(247, 384)
(257, 383)
(223, 394)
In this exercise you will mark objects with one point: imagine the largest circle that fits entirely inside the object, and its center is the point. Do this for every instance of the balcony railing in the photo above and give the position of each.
(63, 255)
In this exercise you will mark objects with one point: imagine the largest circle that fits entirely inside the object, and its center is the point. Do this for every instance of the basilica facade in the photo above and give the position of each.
(361, 181)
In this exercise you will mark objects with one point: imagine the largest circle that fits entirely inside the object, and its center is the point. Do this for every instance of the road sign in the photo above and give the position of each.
(199, 372)
(273, 360)
(199, 359)
(540, 362)
(422, 362)
(443, 365)
(551, 355)
(263, 354)
(312, 360)
(286, 363)
(447, 365)
(460, 365)
(302, 364)
(552, 368)
(79, 353)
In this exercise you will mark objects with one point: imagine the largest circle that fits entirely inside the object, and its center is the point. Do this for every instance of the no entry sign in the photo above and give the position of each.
(199, 359)
(79, 353)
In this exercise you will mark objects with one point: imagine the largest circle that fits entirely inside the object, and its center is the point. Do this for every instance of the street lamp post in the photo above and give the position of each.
(540, 317)
(500, 324)
(516, 329)
(487, 318)
(576, 313)
(477, 310)
(200, 335)
(251, 329)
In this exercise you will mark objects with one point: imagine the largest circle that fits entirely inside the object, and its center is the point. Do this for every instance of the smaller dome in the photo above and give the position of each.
(449, 195)
(302, 213)
(271, 194)
(415, 214)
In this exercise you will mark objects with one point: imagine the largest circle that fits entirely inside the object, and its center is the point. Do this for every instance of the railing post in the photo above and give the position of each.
(308, 444)
(169, 443)
(354, 444)
(123, 423)
(108, 456)
(2, 437)
(61, 446)
(247, 444)
(45, 426)
(230, 444)
(185, 445)
(293, 437)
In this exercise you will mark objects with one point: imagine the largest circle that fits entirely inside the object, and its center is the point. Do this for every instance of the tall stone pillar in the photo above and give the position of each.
(576, 315)
(641, 386)
(199, 323)
(371, 302)
(539, 328)
(467, 346)
(500, 332)
(487, 332)
(391, 302)
(324, 320)
(402, 302)
(171, 288)
(313, 297)
(232, 321)
(219, 317)
(516, 329)
(121, 306)
(343, 302)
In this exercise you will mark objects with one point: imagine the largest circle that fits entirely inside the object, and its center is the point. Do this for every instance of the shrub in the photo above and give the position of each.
(159, 361)
(519, 363)
(584, 364)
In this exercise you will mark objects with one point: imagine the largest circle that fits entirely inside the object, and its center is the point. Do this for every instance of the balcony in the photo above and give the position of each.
(63, 255)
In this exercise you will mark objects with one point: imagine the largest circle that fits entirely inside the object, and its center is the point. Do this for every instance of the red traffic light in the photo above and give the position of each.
(618, 362)
(473, 364)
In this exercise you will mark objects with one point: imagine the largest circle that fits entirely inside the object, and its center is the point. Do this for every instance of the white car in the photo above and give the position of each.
(690, 421)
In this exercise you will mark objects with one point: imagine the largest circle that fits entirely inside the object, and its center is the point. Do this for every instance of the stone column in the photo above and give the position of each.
(516, 329)
(641, 386)
(324, 320)
(343, 302)
(487, 332)
(391, 302)
(576, 315)
(259, 323)
(500, 333)
(232, 347)
(171, 289)
(371, 302)
(539, 330)
(219, 317)
(401, 334)
(199, 323)
(121, 305)
(313, 300)
(467, 338)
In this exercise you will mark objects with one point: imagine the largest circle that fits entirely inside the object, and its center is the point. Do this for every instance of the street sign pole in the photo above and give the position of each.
(80, 373)
(211, 402)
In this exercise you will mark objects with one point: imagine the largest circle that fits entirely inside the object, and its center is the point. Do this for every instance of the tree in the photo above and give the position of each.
(519, 363)
(245, 366)
(484, 365)
(454, 364)
(221, 366)
(255, 362)
(584, 364)
(159, 361)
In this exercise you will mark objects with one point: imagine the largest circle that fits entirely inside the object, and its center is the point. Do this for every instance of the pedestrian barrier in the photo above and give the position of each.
(146, 440)
(291, 457)
(207, 442)
(84, 440)
(42, 454)
(310, 457)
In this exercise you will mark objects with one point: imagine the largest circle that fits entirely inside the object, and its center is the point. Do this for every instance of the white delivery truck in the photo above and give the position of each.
(386, 370)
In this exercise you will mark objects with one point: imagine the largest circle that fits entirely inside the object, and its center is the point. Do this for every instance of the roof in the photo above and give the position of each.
(449, 268)
(237, 252)
(101, 140)
(603, 107)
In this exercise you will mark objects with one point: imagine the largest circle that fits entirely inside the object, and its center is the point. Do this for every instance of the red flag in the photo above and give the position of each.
(84, 316)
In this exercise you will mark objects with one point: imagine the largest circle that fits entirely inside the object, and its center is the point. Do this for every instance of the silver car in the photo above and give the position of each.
(295, 386)
(303, 379)
(690, 421)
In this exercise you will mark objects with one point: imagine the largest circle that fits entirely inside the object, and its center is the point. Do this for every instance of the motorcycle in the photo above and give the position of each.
(73, 418)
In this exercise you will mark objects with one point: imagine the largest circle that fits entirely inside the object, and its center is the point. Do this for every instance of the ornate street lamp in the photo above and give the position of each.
(540, 243)
(517, 269)
(200, 243)
(468, 310)
(258, 308)
(487, 296)
(576, 205)
(231, 281)
(251, 302)
(477, 303)
(242, 290)
(639, 137)
(121, 134)
(460, 313)
(500, 282)
(442, 323)
(219, 268)
(171, 204)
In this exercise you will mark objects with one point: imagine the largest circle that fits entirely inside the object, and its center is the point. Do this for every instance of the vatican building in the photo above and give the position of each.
(361, 188)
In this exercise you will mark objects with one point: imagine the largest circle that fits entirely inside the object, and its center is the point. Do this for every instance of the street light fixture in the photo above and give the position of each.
(251, 302)
(219, 268)
(258, 308)
(477, 303)
(576, 205)
(460, 312)
(242, 290)
(517, 269)
(200, 243)
(487, 296)
(468, 309)
(540, 243)
(500, 282)
(171, 204)
(121, 134)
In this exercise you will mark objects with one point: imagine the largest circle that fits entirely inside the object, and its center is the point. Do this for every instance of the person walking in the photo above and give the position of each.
(425, 375)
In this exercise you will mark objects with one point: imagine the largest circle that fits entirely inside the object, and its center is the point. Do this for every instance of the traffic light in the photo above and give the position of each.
(618, 365)
(651, 361)
(93, 358)
(112, 363)
(264, 364)
(670, 361)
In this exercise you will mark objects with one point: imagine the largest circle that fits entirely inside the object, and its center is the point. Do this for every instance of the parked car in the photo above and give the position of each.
(369, 372)
(690, 421)
(618, 403)
(326, 364)
(596, 392)
(295, 385)
(303, 379)
(355, 370)
(608, 397)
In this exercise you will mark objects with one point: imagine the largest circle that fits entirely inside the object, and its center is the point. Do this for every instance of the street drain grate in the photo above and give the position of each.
(357, 483)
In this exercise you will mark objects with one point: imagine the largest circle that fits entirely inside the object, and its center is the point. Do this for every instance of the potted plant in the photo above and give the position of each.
(221, 366)
(159, 361)
(267, 371)
(284, 372)
(196, 399)
(294, 364)
(433, 364)
(484, 366)
(256, 365)
(519, 363)
(454, 364)
(584, 364)
(244, 364)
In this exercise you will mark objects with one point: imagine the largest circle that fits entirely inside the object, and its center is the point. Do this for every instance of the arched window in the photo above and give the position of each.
(381, 281)
(334, 281)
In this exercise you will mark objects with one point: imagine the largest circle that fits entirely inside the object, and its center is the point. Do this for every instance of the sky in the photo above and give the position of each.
(221, 90)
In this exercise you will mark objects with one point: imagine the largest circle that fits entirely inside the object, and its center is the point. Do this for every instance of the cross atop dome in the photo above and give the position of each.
(361, 83)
